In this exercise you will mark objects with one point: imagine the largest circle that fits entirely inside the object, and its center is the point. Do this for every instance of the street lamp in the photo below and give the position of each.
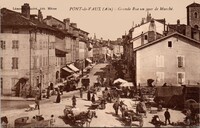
(40, 85)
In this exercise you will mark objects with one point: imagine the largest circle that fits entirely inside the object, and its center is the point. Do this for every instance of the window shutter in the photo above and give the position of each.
(157, 61)
(180, 78)
(16, 63)
(179, 62)
(162, 61)
(12, 63)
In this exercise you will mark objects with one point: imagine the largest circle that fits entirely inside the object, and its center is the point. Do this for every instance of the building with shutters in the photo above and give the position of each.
(28, 53)
(152, 30)
(171, 59)
(35, 50)
(76, 41)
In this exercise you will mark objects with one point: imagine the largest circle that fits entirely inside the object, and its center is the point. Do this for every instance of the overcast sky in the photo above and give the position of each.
(105, 23)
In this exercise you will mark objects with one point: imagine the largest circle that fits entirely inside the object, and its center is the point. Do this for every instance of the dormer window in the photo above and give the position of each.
(195, 15)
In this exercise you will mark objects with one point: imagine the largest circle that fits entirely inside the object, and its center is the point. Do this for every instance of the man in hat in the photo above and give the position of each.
(167, 116)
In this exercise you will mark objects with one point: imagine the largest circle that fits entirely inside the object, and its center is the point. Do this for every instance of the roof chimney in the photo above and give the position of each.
(49, 17)
(26, 10)
(148, 17)
(178, 22)
(67, 23)
(40, 16)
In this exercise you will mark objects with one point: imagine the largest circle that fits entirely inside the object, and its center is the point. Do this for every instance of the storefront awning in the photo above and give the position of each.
(67, 69)
(72, 67)
(60, 53)
(65, 72)
(88, 60)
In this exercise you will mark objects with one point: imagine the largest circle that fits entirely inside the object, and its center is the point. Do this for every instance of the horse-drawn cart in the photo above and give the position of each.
(77, 117)
(129, 116)
(24, 122)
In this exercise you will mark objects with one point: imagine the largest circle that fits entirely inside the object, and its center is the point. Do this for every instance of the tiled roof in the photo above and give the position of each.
(179, 28)
(194, 5)
(11, 18)
(166, 37)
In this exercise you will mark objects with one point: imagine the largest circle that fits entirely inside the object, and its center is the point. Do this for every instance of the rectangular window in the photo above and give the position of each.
(34, 62)
(169, 44)
(47, 61)
(159, 77)
(180, 60)
(14, 63)
(1, 85)
(180, 77)
(145, 37)
(159, 61)
(44, 61)
(40, 61)
(44, 43)
(1, 62)
(3, 44)
(15, 44)
(40, 43)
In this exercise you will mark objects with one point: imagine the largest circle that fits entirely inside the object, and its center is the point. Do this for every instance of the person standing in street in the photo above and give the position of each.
(52, 121)
(116, 107)
(48, 92)
(58, 97)
(37, 102)
(88, 95)
(74, 101)
(93, 98)
(81, 92)
(167, 116)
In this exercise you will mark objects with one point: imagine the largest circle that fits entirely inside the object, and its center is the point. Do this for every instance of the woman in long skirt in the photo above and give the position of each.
(58, 97)
(88, 95)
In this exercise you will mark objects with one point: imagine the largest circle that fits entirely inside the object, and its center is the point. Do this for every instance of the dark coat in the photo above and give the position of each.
(88, 95)
(116, 105)
(167, 114)
(58, 97)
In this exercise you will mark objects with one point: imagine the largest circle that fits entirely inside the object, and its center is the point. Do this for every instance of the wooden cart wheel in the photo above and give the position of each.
(189, 102)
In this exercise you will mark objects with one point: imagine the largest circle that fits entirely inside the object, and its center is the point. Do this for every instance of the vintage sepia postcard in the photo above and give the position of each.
(100, 63)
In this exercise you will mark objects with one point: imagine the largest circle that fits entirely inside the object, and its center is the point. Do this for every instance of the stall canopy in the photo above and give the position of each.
(119, 80)
(60, 53)
(65, 72)
(126, 84)
(88, 60)
(72, 67)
